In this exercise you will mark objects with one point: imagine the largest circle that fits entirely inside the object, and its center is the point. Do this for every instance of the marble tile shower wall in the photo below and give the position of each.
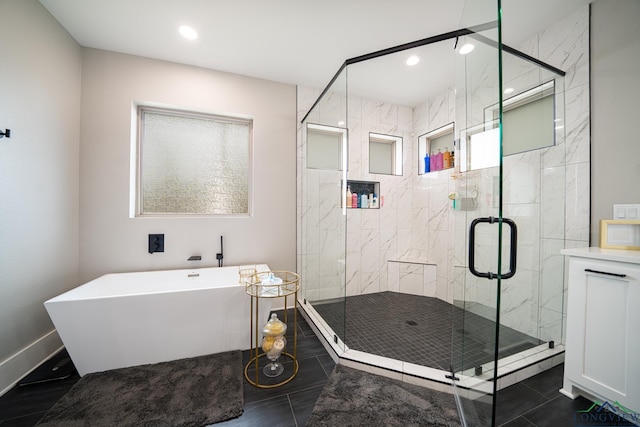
(563, 178)
(412, 225)
(546, 191)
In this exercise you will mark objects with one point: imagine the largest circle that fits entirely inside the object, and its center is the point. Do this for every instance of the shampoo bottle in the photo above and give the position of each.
(446, 159)
(358, 200)
(354, 200)
(349, 197)
(439, 160)
(363, 201)
(427, 167)
(432, 162)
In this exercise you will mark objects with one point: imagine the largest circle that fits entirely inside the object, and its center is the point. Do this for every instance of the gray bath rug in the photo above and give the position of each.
(352, 397)
(190, 392)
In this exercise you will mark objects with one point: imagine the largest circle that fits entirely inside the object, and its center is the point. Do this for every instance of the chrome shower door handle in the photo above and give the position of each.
(512, 253)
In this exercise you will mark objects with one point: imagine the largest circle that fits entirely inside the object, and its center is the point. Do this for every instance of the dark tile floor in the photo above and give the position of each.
(418, 329)
(533, 402)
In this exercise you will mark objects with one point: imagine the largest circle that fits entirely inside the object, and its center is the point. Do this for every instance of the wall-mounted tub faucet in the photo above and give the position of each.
(219, 255)
(195, 258)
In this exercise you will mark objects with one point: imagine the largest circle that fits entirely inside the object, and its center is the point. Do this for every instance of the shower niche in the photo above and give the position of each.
(363, 195)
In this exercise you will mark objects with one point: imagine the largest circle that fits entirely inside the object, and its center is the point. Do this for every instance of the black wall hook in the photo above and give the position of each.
(7, 133)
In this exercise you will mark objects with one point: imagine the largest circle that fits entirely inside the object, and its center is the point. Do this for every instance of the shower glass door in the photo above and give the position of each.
(323, 209)
(482, 241)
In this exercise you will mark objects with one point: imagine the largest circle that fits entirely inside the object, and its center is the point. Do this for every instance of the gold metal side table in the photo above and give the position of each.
(257, 290)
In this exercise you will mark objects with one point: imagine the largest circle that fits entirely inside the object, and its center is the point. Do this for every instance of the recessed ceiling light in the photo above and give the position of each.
(466, 48)
(412, 60)
(508, 90)
(188, 32)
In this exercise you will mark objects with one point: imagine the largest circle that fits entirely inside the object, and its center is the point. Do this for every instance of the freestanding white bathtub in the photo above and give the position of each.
(130, 319)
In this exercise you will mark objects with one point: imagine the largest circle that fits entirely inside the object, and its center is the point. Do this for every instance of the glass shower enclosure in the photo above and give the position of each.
(437, 183)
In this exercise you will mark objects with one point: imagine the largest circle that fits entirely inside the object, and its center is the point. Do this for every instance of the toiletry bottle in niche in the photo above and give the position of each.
(358, 200)
(364, 203)
(427, 166)
(446, 159)
(349, 197)
(432, 162)
(374, 203)
(370, 200)
(453, 162)
(354, 200)
(439, 160)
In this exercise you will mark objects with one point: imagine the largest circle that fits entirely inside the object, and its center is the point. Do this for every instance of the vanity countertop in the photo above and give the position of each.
(619, 255)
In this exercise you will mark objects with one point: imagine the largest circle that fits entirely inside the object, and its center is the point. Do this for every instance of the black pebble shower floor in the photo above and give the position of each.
(418, 330)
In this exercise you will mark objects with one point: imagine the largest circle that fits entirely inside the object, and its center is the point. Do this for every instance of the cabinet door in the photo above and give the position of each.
(603, 339)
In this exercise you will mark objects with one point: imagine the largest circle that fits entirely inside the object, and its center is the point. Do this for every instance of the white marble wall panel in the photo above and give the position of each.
(332, 109)
(405, 119)
(421, 119)
(354, 107)
(438, 252)
(353, 274)
(439, 110)
(527, 219)
(356, 167)
(404, 241)
(388, 230)
(420, 238)
(372, 113)
(389, 114)
(429, 281)
(439, 203)
(551, 325)
(370, 282)
(553, 202)
(411, 278)
(577, 202)
(370, 250)
(566, 46)
(521, 178)
(420, 193)
(552, 275)
(393, 276)
(577, 124)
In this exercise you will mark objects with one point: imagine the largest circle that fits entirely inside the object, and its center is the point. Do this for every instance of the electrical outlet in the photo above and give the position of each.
(626, 211)
(156, 243)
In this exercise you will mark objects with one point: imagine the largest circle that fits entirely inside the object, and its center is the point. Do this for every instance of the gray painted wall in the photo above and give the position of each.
(40, 90)
(615, 112)
(111, 241)
(65, 174)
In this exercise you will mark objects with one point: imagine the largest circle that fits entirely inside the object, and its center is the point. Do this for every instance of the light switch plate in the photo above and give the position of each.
(626, 211)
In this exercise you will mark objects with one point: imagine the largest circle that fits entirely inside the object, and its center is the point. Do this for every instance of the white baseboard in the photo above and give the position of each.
(26, 360)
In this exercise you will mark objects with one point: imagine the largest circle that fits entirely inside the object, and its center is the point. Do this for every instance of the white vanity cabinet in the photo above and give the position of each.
(602, 358)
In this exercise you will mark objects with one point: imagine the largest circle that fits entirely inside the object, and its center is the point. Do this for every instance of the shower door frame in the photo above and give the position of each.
(332, 337)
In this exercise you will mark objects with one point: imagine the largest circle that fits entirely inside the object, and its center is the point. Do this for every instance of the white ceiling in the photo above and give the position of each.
(301, 42)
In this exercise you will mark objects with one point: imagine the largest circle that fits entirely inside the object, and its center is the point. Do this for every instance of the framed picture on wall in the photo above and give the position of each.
(620, 234)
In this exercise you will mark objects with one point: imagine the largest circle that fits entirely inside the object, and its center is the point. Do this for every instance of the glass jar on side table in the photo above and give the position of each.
(270, 336)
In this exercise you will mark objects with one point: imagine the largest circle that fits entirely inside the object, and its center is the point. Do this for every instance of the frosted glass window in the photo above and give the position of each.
(325, 147)
(484, 149)
(193, 164)
(528, 126)
(385, 154)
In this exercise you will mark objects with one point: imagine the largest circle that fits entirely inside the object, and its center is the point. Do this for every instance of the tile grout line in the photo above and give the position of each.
(295, 421)
(523, 415)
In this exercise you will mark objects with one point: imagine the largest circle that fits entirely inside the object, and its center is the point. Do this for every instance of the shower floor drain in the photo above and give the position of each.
(411, 322)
